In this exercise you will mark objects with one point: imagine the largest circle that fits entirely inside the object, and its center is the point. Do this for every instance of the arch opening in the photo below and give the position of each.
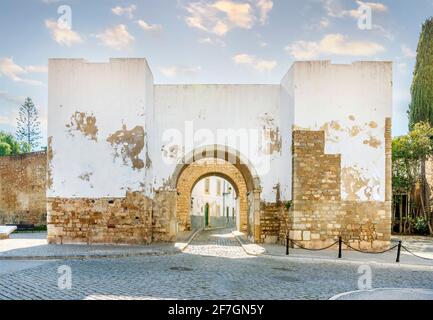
(214, 203)
(212, 162)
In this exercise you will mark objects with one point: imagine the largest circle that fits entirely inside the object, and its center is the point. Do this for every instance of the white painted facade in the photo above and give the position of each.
(219, 194)
(351, 103)
(177, 119)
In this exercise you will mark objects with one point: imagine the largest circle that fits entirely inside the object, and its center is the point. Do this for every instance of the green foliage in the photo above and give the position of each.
(5, 149)
(10, 146)
(421, 107)
(407, 153)
(420, 226)
(28, 125)
(288, 205)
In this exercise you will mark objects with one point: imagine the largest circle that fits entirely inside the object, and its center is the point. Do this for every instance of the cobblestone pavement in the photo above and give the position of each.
(213, 267)
(217, 243)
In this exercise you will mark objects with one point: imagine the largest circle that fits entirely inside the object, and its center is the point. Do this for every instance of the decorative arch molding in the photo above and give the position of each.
(225, 153)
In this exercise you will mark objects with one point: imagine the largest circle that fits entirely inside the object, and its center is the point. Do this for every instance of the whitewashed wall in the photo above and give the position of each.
(213, 198)
(287, 106)
(214, 107)
(116, 93)
(351, 103)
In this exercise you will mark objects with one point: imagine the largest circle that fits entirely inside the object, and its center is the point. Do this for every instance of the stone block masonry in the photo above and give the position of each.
(319, 216)
(23, 189)
(112, 220)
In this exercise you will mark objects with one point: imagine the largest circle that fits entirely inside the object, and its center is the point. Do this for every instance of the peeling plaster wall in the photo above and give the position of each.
(94, 109)
(22, 189)
(109, 132)
(213, 107)
(350, 103)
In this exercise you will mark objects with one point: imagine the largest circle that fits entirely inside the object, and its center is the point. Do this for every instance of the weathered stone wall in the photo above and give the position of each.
(22, 189)
(164, 216)
(271, 215)
(319, 216)
(109, 220)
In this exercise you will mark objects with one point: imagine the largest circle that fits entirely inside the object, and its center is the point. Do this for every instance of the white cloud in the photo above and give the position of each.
(61, 35)
(221, 16)
(335, 9)
(265, 7)
(408, 52)
(213, 41)
(125, 11)
(4, 95)
(259, 65)
(243, 59)
(333, 44)
(180, 71)
(37, 69)
(14, 72)
(324, 22)
(149, 27)
(117, 37)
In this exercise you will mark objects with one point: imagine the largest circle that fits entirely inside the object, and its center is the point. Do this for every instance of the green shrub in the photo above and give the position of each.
(421, 226)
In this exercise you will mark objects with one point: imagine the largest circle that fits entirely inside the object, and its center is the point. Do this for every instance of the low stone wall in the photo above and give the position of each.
(364, 226)
(22, 189)
(113, 220)
(271, 215)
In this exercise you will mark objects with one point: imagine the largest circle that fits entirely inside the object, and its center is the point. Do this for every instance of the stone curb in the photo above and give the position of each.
(244, 246)
(332, 260)
(357, 292)
(90, 257)
(190, 239)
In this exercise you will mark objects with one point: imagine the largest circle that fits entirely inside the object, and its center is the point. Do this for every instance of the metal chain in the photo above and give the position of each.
(357, 250)
(415, 255)
(302, 247)
(381, 252)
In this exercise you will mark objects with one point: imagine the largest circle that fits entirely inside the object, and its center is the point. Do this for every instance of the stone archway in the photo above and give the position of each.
(202, 169)
(228, 164)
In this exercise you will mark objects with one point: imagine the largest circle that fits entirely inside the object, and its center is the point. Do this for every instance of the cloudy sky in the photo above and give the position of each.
(203, 41)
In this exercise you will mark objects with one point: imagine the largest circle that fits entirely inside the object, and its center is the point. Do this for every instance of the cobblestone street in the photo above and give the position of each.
(214, 266)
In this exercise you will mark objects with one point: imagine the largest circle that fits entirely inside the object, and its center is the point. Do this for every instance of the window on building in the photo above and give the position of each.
(218, 187)
(206, 186)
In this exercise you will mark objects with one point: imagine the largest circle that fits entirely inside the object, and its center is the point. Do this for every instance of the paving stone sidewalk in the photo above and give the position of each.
(34, 246)
(213, 266)
(421, 246)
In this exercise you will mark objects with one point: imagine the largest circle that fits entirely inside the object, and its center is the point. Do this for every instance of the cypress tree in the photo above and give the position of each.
(421, 107)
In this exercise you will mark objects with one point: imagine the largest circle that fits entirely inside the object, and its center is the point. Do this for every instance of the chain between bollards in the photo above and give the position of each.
(340, 244)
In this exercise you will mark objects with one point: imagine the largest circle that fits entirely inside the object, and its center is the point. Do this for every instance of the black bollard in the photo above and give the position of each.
(287, 245)
(340, 244)
(398, 252)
